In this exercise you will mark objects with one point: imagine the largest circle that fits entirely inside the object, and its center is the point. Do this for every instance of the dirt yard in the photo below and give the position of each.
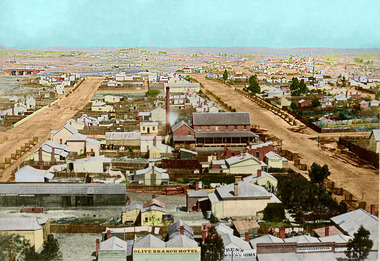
(43, 123)
(361, 181)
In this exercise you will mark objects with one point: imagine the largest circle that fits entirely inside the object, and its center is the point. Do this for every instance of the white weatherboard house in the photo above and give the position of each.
(30, 174)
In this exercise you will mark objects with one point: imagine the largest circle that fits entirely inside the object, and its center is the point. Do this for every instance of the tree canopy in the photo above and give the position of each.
(12, 246)
(318, 174)
(298, 87)
(225, 75)
(253, 84)
(50, 251)
(213, 247)
(152, 93)
(359, 246)
(274, 212)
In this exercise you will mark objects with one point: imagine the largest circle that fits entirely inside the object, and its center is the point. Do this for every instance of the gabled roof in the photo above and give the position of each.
(181, 241)
(19, 224)
(197, 193)
(148, 169)
(376, 134)
(222, 118)
(114, 243)
(351, 221)
(302, 239)
(174, 229)
(133, 135)
(32, 171)
(152, 202)
(222, 229)
(77, 137)
(242, 225)
(261, 145)
(253, 178)
(153, 207)
(132, 207)
(265, 239)
(59, 149)
(339, 238)
(69, 128)
(234, 240)
(150, 241)
(240, 158)
(333, 230)
(179, 124)
(245, 190)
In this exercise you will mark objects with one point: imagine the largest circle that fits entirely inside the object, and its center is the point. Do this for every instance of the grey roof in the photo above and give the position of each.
(262, 145)
(59, 149)
(240, 158)
(253, 178)
(213, 198)
(237, 241)
(183, 138)
(197, 193)
(179, 124)
(329, 256)
(150, 241)
(336, 238)
(150, 208)
(38, 172)
(174, 229)
(144, 171)
(302, 239)
(181, 241)
(222, 118)
(149, 123)
(265, 239)
(114, 243)
(222, 229)
(245, 190)
(188, 151)
(19, 224)
(351, 221)
(132, 207)
(77, 137)
(182, 84)
(123, 135)
(225, 134)
(376, 133)
(95, 158)
(62, 188)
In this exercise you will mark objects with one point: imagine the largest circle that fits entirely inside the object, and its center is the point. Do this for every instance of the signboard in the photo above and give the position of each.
(313, 249)
(340, 249)
(166, 250)
(240, 253)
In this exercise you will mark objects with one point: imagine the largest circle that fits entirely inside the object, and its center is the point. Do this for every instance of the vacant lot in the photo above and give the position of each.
(43, 123)
(361, 181)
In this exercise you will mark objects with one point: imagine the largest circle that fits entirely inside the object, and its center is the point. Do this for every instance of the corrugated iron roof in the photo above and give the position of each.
(222, 118)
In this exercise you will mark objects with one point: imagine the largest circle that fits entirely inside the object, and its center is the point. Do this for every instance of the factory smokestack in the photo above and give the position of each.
(167, 110)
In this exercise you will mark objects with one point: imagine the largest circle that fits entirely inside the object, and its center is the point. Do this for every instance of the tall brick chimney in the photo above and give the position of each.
(167, 110)
(154, 141)
(85, 147)
(40, 155)
(204, 235)
(108, 234)
(236, 189)
(182, 230)
(246, 236)
(196, 185)
(327, 231)
(259, 172)
(52, 155)
(282, 232)
(97, 242)
(373, 210)
(218, 156)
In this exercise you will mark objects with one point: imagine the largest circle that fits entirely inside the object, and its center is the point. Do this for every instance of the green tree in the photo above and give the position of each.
(293, 106)
(213, 247)
(253, 84)
(358, 247)
(274, 212)
(225, 75)
(343, 81)
(50, 251)
(377, 96)
(153, 219)
(318, 174)
(152, 93)
(13, 246)
(315, 103)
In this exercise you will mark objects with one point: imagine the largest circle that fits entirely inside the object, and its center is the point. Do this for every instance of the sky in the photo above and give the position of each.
(35, 24)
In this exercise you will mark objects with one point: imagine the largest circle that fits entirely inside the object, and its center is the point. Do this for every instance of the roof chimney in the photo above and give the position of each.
(97, 242)
(246, 236)
(196, 185)
(167, 110)
(238, 178)
(181, 230)
(52, 154)
(236, 189)
(40, 155)
(259, 173)
(108, 234)
(218, 156)
(204, 235)
(327, 231)
(373, 210)
(154, 141)
(282, 232)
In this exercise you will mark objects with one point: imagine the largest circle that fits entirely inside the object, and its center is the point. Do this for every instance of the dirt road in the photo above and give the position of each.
(43, 123)
(361, 181)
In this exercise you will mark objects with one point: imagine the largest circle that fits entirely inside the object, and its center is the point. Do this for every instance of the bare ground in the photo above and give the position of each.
(43, 123)
(360, 180)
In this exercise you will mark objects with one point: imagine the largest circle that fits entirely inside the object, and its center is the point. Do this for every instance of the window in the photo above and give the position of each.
(257, 154)
(235, 127)
(208, 128)
(199, 128)
(245, 127)
(146, 219)
(154, 128)
(188, 133)
(216, 127)
(226, 127)
(143, 128)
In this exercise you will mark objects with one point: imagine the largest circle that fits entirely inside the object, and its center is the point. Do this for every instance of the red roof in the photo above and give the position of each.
(153, 201)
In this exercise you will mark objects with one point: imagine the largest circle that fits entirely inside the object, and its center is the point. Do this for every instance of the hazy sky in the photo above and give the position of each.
(190, 23)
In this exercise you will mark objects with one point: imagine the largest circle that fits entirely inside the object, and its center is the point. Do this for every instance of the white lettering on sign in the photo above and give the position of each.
(340, 249)
(167, 250)
(313, 249)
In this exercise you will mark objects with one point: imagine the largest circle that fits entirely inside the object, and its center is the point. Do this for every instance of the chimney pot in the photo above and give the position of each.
(327, 231)
(182, 230)
(236, 189)
(373, 210)
(97, 242)
(246, 236)
(282, 232)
